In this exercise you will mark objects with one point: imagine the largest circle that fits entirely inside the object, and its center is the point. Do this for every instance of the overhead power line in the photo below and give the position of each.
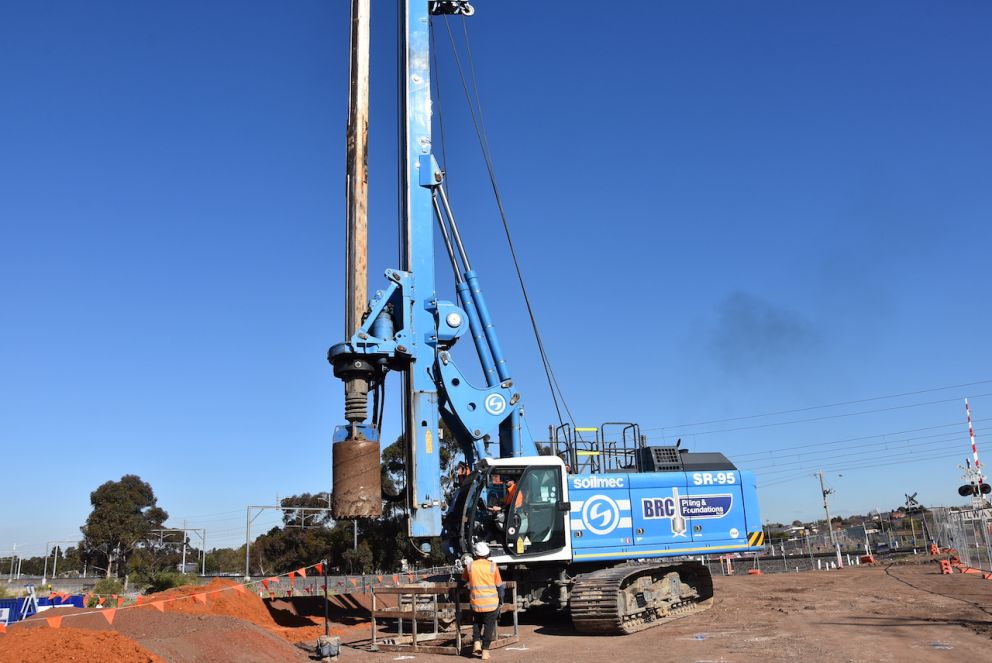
(827, 417)
(884, 438)
(792, 465)
(802, 474)
(820, 407)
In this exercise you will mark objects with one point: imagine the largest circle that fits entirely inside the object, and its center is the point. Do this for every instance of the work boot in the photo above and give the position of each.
(477, 647)
(485, 654)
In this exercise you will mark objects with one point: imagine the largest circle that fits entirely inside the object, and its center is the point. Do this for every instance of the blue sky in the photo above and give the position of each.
(722, 210)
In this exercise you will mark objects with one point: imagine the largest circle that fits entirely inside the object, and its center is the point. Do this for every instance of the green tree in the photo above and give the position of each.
(295, 512)
(124, 512)
(33, 566)
(283, 549)
(226, 560)
(387, 536)
(358, 560)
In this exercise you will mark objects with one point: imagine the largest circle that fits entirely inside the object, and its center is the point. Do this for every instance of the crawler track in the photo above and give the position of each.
(631, 598)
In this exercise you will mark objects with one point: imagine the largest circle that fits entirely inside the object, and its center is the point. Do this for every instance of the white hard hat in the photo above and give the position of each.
(481, 549)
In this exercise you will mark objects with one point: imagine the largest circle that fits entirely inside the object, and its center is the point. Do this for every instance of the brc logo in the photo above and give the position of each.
(658, 507)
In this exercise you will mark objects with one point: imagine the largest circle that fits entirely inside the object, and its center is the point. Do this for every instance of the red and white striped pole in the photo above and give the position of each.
(974, 447)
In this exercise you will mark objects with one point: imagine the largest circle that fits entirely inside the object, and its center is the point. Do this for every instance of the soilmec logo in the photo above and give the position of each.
(495, 404)
(597, 482)
(601, 514)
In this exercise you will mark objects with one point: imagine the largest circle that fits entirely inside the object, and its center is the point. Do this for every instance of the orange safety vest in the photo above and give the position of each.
(514, 495)
(483, 579)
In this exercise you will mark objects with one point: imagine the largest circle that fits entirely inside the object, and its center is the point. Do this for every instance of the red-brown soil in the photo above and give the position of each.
(231, 625)
(23, 645)
(295, 619)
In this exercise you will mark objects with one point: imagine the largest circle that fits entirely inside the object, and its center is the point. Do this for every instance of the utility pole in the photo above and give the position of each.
(198, 531)
(826, 509)
(55, 561)
(826, 505)
(248, 544)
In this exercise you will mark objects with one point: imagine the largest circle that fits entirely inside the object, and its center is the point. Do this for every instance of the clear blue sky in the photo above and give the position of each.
(723, 209)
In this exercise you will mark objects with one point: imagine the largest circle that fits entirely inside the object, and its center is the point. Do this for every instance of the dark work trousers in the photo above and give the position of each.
(487, 620)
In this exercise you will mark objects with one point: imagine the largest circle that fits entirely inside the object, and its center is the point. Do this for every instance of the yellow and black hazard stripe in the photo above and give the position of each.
(755, 539)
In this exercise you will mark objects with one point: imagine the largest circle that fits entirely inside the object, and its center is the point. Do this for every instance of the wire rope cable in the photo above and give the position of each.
(477, 122)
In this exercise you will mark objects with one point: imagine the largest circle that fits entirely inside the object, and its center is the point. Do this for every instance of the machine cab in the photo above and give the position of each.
(519, 506)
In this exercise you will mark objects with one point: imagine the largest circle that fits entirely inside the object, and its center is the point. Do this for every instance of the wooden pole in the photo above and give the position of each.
(356, 237)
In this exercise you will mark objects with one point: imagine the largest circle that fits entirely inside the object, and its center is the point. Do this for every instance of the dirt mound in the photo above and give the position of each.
(223, 599)
(232, 623)
(30, 645)
(348, 617)
(183, 638)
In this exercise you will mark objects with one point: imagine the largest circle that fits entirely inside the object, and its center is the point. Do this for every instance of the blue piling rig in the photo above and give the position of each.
(593, 519)
(407, 329)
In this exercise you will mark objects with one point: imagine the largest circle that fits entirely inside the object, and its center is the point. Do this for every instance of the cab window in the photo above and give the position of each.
(534, 523)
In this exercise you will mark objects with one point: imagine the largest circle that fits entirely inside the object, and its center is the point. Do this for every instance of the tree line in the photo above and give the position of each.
(120, 539)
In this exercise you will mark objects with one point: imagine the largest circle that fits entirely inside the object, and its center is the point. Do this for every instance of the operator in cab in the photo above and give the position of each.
(485, 595)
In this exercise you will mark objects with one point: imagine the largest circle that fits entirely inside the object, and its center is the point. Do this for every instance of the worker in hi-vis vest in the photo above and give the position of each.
(485, 594)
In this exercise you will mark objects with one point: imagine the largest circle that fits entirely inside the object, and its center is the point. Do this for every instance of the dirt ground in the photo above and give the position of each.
(901, 613)
(896, 613)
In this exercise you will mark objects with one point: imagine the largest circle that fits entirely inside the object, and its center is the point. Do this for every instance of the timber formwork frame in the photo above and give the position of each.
(433, 603)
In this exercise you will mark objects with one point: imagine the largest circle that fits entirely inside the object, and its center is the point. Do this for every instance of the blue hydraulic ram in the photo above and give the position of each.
(596, 521)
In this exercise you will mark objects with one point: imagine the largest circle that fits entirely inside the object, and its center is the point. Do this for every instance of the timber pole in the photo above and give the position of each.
(356, 196)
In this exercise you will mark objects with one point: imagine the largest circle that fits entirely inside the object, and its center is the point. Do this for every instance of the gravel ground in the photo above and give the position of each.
(897, 613)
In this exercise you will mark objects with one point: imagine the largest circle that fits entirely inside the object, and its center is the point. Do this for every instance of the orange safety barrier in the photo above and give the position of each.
(934, 550)
(867, 559)
(755, 572)
(945, 567)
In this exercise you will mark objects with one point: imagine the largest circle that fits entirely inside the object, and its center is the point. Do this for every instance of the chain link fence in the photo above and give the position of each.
(967, 531)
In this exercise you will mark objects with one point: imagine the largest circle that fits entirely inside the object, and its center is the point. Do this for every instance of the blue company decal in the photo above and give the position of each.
(707, 506)
(601, 514)
(596, 481)
(693, 506)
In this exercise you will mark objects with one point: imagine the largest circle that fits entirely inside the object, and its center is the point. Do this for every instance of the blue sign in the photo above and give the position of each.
(692, 506)
(706, 506)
